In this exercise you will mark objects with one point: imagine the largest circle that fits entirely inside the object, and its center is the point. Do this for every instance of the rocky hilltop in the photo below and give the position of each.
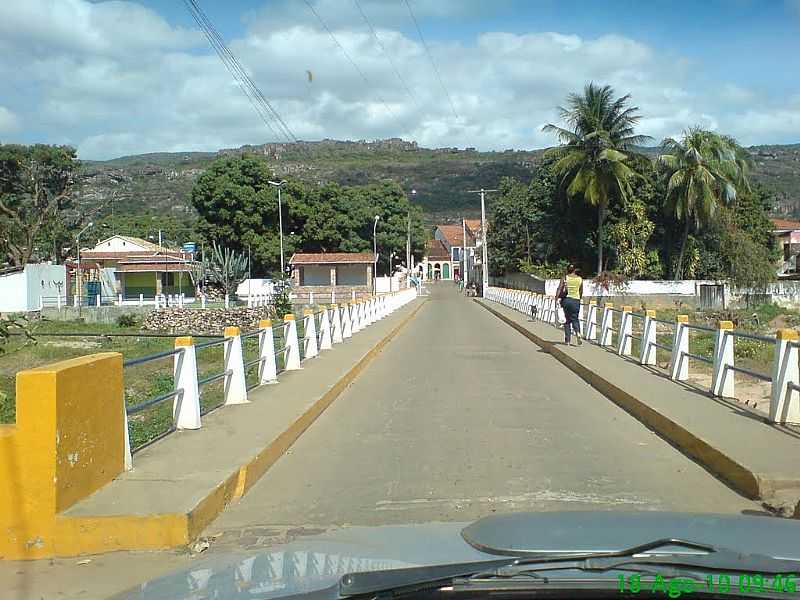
(162, 182)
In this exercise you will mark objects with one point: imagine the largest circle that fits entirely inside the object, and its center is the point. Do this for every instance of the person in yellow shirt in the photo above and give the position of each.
(569, 292)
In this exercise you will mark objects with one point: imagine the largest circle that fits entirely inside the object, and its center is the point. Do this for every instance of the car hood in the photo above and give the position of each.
(314, 565)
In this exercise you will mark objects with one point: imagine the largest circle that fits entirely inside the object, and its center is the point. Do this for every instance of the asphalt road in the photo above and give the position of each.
(460, 417)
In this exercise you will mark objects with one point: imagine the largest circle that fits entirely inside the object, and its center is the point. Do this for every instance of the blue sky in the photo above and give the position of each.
(124, 77)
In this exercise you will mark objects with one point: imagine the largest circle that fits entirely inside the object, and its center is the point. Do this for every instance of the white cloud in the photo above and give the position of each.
(9, 123)
(116, 78)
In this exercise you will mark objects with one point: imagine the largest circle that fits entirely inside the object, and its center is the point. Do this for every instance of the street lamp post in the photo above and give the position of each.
(375, 255)
(80, 275)
(484, 251)
(279, 184)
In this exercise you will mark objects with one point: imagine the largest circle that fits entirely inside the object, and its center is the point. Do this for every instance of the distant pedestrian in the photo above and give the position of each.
(569, 293)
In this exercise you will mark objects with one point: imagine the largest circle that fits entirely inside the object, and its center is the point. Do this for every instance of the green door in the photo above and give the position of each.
(446, 271)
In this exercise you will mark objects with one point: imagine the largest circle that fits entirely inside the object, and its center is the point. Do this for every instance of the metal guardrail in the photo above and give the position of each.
(188, 402)
(784, 379)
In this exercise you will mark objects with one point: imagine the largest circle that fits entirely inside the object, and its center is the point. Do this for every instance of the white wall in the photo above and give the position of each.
(685, 287)
(254, 287)
(13, 292)
(382, 284)
(117, 244)
(21, 292)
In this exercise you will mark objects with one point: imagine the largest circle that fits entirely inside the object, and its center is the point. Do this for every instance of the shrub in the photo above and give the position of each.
(127, 320)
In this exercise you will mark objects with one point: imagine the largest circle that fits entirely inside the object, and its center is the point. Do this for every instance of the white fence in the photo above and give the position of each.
(321, 331)
(612, 328)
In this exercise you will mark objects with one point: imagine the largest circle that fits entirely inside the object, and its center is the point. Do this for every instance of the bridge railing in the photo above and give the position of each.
(641, 335)
(278, 348)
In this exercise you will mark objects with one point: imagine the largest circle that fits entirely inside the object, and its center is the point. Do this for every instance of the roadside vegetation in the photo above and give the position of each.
(618, 210)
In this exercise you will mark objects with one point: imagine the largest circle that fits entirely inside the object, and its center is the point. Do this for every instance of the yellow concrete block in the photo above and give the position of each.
(289, 317)
(182, 342)
(231, 331)
(787, 334)
(627, 309)
(725, 325)
(265, 323)
(68, 442)
(650, 313)
(307, 311)
(682, 319)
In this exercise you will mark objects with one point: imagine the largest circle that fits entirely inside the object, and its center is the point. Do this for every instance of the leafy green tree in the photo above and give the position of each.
(35, 199)
(592, 160)
(703, 170)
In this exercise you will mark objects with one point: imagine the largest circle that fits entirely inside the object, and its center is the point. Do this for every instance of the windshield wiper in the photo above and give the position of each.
(644, 558)
(711, 558)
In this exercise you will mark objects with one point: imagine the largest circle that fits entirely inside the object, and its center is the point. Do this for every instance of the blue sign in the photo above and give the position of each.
(189, 248)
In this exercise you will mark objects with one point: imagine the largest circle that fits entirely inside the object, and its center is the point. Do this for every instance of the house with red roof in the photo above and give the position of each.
(452, 250)
(787, 236)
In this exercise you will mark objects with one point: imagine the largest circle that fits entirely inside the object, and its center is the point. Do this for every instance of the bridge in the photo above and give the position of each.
(397, 409)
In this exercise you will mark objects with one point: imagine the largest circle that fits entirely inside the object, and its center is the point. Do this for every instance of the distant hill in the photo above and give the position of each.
(161, 182)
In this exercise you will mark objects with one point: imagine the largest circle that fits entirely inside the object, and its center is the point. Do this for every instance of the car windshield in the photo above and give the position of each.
(336, 297)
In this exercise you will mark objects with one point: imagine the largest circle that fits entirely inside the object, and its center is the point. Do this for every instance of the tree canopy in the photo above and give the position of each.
(238, 207)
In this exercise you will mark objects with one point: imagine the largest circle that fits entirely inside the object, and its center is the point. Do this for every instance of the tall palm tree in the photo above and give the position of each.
(702, 170)
(594, 160)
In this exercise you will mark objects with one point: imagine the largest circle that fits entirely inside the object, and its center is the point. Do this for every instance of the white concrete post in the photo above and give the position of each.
(647, 356)
(186, 406)
(369, 308)
(325, 341)
(249, 301)
(625, 331)
(591, 321)
(679, 362)
(227, 302)
(336, 324)
(311, 297)
(141, 299)
(606, 324)
(309, 334)
(581, 318)
(722, 383)
(119, 299)
(358, 316)
(352, 295)
(99, 301)
(58, 301)
(236, 384)
(784, 405)
(155, 300)
(291, 352)
(333, 295)
(353, 310)
(128, 460)
(268, 367)
(203, 301)
(182, 299)
(75, 300)
(347, 323)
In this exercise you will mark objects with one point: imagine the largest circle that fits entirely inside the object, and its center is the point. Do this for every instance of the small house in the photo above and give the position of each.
(328, 276)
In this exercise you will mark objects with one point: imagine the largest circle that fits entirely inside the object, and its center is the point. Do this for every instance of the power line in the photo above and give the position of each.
(430, 58)
(254, 95)
(260, 103)
(386, 53)
(346, 54)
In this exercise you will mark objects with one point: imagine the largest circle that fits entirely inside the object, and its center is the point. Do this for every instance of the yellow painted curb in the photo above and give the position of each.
(739, 477)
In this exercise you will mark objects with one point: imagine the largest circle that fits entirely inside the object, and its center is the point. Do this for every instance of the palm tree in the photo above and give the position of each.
(702, 170)
(594, 160)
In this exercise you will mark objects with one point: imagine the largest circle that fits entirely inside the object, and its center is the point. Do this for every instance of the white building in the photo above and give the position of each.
(27, 289)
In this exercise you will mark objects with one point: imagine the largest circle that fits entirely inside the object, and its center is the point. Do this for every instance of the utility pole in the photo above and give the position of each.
(80, 274)
(484, 253)
(279, 184)
(464, 254)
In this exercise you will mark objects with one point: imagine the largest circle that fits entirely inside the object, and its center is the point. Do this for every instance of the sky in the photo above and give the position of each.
(115, 78)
